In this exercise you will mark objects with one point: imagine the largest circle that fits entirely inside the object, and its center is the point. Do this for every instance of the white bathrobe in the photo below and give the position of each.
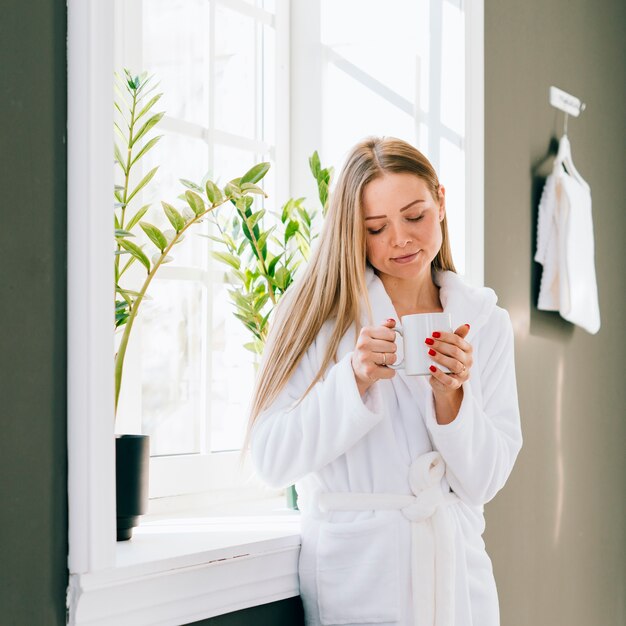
(565, 245)
(373, 566)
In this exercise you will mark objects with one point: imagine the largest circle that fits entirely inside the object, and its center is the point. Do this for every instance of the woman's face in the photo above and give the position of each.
(402, 222)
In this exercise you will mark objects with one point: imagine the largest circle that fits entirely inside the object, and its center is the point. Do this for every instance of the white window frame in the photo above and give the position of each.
(170, 590)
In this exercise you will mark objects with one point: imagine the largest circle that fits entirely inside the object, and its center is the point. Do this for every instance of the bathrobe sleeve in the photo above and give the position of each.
(481, 444)
(291, 439)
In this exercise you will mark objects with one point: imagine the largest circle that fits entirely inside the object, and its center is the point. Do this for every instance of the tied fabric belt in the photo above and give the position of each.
(433, 556)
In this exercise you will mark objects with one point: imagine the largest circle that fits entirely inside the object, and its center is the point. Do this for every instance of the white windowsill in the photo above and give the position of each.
(177, 571)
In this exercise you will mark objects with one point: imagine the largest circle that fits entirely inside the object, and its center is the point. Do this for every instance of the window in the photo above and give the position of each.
(400, 74)
(188, 376)
(310, 59)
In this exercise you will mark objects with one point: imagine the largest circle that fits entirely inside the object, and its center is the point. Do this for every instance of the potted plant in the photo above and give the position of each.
(136, 121)
(262, 251)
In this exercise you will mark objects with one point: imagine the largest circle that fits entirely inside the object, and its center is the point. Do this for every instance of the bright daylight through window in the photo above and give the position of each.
(232, 99)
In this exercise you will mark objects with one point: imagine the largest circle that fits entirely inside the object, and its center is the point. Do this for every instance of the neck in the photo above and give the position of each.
(415, 295)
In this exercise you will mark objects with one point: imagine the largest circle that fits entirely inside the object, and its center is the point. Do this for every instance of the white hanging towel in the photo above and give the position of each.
(565, 245)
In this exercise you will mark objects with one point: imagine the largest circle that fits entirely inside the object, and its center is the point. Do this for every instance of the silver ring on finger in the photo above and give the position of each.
(384, 359)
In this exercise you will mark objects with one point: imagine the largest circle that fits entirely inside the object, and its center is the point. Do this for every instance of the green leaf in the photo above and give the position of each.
(253, 220)
(148, 106)
(314, 164)
(142, 211)
(195, 202)
(291, 230)
(282, 277)
(227, 258)
(255, 174)
(272, 265)
(127, 292)
(260, 303)
(286, 210)
(136, 251)
(121, 135)
(213, 238)
(145, 149)
(191, 185)
(131, 260)
(213, 193)
(252, 188)
(232, 190)
(144, 181)
(120, 232)
(254, 346)
(305, 216)
(155, 235)
(119, 157)
(263, 238)
(175, 218)
(155, 119)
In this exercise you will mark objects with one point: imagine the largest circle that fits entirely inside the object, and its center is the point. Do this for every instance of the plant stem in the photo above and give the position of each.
(131, 128)
(121, 353)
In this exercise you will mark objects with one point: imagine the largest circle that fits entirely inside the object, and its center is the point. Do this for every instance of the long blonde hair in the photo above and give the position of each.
(333, 285)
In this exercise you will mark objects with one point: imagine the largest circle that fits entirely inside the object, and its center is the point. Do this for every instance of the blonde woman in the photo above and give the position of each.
(392, 471)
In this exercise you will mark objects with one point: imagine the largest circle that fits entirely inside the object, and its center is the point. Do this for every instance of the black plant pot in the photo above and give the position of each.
(132, 459)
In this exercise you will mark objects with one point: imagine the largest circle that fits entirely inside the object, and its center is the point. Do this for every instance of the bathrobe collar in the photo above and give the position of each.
(466, 304)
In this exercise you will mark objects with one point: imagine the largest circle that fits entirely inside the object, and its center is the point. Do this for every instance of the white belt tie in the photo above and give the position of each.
(433, 555)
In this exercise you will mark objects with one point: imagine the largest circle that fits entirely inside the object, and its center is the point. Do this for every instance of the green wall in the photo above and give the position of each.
(33, 470)
(557, 533)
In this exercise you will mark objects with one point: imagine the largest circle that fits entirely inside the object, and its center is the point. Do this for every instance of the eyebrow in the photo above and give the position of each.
(404, 208)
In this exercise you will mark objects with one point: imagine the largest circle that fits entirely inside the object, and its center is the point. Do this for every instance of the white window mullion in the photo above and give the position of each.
(475, 141)
(434, 73)
(282, 98)
(306, 85)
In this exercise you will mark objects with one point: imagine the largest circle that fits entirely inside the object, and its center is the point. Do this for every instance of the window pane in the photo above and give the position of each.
(452, 177)
(232, 374)
(453, 68)
(176, 49)
(177, 157)
(269, 84)
(344, 123)
(229, 163)
(383, 44)
(235, 72)
(173, 375)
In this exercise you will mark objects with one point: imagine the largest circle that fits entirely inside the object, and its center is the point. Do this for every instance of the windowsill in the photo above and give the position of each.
(180, 570)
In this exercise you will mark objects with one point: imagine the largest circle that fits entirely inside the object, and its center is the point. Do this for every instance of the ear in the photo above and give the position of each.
(442, 202)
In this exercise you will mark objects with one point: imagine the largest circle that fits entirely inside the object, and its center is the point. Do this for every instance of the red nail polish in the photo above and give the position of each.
(432, 368)
(391, 320)
(430, 341)
(432, 352)
(436, 334)
(467, 325)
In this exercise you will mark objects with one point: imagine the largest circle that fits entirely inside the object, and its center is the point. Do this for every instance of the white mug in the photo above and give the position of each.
(414, 330)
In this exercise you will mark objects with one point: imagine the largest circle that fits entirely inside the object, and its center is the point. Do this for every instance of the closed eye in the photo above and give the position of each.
(375, 232)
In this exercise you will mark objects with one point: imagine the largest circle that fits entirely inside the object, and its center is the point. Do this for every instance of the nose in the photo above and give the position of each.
(399, 238)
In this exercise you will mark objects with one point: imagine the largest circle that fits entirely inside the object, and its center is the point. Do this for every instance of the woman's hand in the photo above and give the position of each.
(449, 350)
(375, 349)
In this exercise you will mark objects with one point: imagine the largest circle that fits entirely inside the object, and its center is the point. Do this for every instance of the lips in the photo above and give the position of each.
(405, 259)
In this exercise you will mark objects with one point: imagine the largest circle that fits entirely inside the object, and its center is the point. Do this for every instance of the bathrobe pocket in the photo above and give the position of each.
(357, 571)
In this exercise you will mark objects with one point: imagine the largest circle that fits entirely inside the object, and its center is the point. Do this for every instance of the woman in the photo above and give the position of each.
(392, 471)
